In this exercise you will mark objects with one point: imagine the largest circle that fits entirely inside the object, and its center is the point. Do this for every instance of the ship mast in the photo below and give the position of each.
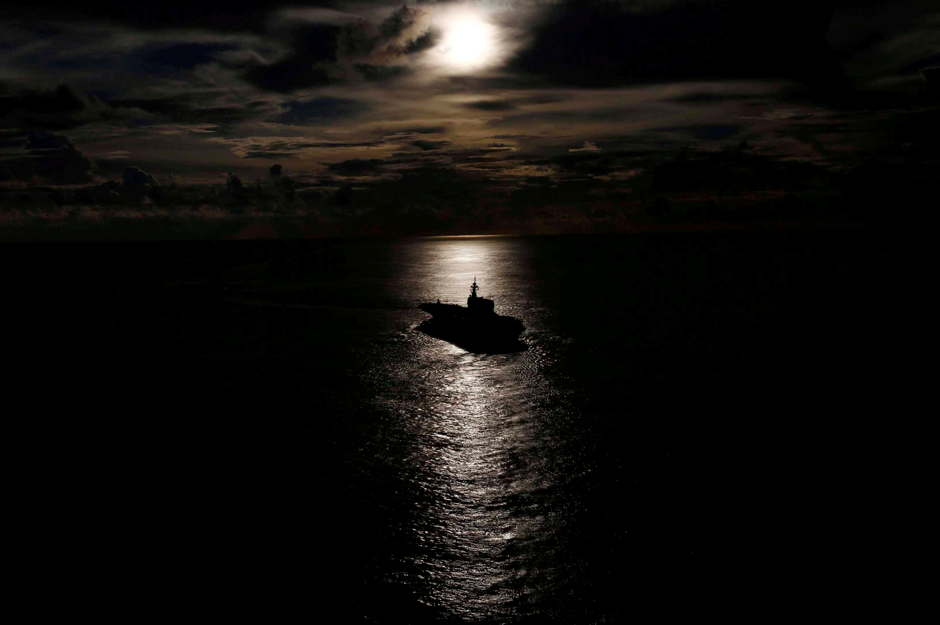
(473, 287)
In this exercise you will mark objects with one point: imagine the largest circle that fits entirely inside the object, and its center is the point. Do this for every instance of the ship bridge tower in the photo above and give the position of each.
(479, 304)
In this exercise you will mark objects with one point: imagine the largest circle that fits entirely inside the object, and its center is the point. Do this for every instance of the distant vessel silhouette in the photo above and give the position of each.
(476, 327)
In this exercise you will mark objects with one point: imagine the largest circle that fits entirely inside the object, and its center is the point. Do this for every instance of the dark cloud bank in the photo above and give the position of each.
(874, 150)
(577, 192)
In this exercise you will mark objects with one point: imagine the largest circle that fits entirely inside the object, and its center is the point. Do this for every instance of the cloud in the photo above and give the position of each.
(880, 42)
(280, 147)
(309, 52)
(430, 197)
(595, 43)
(730, 172)
(47, 141)
(185, 55)
(184, 108)
(61, 108)
(592, 164)
(711, 97)
(490, 105)
(704, 132)
(356, 166)
(269, 154)
(178, 129)
(312, 15)
(402, 33)
(136, 177)
(335, 52)
(45, 158)
(587, 147)
(381, 73)
(406, 129)
(170, 14)
(288, 75)
(430, 145)
(300, 112)
(422, 42)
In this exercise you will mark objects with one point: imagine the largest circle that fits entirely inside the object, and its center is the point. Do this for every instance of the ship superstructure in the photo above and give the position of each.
(476, 327)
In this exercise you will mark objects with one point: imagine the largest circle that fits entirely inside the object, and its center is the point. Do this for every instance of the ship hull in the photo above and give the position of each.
(475, 333)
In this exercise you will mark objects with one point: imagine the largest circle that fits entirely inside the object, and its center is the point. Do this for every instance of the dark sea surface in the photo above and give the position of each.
(689, 430)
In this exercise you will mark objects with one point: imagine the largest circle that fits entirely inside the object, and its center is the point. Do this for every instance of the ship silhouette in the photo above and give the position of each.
(476, 327)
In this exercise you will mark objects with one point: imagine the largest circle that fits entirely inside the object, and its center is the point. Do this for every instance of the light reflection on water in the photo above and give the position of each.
(444, 268)
(479, 430)
(477, 464)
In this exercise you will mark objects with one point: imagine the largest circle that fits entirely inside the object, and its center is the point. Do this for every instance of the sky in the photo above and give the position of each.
(469, 116)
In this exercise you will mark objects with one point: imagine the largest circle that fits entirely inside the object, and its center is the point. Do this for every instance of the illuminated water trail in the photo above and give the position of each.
(486, 447)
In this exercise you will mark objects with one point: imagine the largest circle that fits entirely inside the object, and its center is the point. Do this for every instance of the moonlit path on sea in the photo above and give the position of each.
(482, 439)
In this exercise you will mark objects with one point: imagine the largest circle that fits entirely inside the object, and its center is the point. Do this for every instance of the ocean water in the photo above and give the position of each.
(663, 446)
